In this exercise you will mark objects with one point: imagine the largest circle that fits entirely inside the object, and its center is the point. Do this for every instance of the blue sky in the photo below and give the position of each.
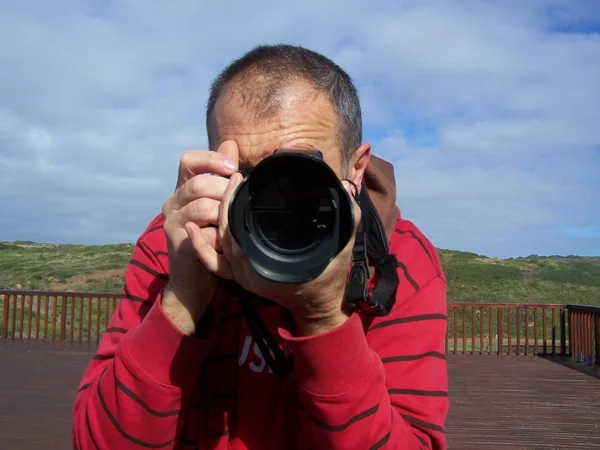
(489, 110)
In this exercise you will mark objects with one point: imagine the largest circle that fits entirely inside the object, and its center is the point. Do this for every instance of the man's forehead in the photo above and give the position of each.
(291, 122)
(251, 155)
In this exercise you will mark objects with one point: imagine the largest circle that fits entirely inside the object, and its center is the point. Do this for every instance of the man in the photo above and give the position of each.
(178, 366)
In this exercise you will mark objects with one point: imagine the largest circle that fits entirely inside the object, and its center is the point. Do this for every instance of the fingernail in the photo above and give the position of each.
(228, 164)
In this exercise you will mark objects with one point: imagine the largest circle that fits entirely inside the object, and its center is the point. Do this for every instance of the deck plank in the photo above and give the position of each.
(497, 402)
(521, 402)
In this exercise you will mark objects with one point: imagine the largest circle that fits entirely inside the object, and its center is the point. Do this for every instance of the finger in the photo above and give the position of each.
(229, 150)
(203, 212)
(195, 162)
(209, 186)
(211, 235)
(234, 182)
(350, 189)
(213, 261)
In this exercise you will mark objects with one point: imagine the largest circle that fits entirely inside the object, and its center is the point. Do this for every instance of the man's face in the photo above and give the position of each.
(304, 120)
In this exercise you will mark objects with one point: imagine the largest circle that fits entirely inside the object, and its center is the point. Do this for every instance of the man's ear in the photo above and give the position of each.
(358, 164)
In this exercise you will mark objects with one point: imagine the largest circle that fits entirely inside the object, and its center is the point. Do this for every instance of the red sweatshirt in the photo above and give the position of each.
(366, 385)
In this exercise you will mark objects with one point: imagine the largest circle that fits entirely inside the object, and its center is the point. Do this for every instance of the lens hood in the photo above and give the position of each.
(291, 216)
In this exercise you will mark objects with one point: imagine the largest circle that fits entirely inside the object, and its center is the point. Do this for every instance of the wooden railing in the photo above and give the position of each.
(507, 329)
(473, 328)
(55, 316)
(584, 331)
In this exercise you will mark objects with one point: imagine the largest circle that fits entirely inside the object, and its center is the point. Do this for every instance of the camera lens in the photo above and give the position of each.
(291, 215)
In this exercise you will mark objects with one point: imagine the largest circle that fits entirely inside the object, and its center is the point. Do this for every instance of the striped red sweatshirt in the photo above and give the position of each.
(370, 384)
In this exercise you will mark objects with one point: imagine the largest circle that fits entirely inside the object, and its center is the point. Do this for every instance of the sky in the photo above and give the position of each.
(488, 110)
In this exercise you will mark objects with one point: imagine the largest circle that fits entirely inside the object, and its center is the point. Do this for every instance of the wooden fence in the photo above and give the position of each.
(507, 329)
(473, 328)
(55, 316)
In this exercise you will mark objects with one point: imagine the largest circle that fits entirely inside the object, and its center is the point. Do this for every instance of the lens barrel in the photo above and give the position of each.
(291, 216)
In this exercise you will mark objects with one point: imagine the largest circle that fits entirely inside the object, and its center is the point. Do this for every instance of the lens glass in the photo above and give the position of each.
(291, 213)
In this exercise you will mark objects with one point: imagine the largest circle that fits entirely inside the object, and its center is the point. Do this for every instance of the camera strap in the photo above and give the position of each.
(280, 364)
(371, 248)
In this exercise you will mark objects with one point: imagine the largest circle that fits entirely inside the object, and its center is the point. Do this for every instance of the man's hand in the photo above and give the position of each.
(316, 306)
(193, 210)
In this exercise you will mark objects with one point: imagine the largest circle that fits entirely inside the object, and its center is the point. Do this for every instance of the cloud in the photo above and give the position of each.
(488, 110)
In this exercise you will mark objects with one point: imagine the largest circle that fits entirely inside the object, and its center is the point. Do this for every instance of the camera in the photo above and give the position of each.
(291, 216)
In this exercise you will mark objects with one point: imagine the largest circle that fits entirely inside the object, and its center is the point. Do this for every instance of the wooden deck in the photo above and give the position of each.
(497, 402)
(522, 402)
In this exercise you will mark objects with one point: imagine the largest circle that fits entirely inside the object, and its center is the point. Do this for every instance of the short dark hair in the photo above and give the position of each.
(282, 64)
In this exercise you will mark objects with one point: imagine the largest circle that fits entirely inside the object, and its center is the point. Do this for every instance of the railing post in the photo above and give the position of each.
(89, 318)
(54, 317)
(597, 336)
(535, 342)
(72, 330)
(98, 313)
(38, 310)
(490, 333)
(13, 331)
(106, 314)
(5, 310)
(472, 330)
(589, 337)
(464, 330)
(553, 332)
(509, 329)
(29, 315)
(63, 319)
(80, 337)
(526, 321)
(500, 331)
(563, 331)
(455, 329)
(544, 332)
(518, 312)
(480, 331)
(22, 318)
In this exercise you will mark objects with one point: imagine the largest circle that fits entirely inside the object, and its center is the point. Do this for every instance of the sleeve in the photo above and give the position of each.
(387, 388)
(135, 390)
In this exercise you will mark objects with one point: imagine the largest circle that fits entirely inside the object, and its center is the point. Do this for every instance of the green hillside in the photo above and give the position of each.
(471, 277)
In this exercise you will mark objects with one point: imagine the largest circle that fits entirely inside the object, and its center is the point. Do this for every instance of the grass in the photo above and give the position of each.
(471, 277)
(99, 268)
(533, 279)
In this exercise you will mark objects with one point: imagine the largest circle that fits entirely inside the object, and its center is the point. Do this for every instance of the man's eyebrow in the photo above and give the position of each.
(297, 147)
(303, 147)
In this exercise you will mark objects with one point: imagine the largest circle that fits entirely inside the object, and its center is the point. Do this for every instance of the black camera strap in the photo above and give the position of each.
(371, 248)
(280, 364)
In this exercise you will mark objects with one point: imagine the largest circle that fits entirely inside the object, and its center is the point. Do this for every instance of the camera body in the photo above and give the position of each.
(291, 216)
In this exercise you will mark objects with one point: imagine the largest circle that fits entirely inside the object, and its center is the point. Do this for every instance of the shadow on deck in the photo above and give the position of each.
(497, 402)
